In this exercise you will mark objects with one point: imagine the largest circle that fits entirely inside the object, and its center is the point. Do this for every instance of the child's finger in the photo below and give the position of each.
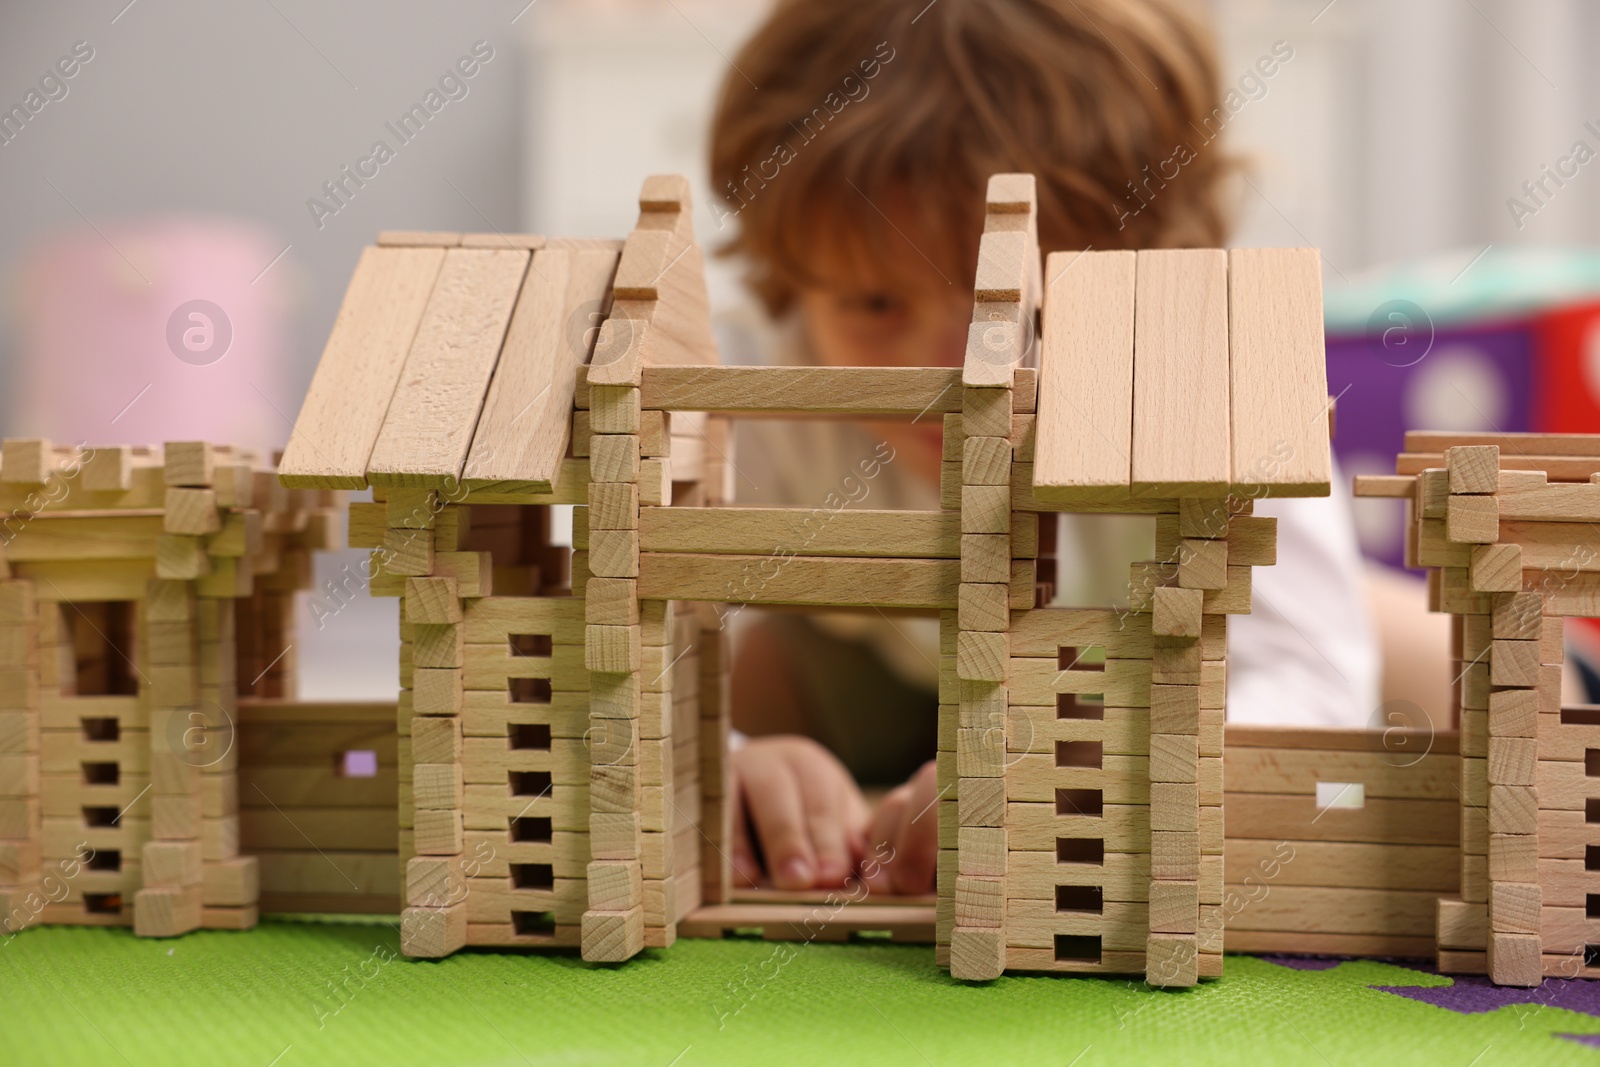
(778, 812)
(880, 842)
(917, 840)
(825, 820)
(746, 870)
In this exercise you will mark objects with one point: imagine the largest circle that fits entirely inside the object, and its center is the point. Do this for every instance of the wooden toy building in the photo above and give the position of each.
(142, 591)
(1505, 525)
(564, 719)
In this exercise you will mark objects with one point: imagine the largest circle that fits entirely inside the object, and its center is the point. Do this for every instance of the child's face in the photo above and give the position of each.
(867, 321)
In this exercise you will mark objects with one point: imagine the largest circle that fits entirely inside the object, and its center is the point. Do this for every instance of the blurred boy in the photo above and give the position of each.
(851, 147)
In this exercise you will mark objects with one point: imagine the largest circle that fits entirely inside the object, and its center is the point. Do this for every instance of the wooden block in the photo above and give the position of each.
(1172, 960)
(1174, 855)
(614, 554)
(432, 600)
(437, 786)
(176, 818)
(408, 553)
(1176, 664)
(1203, 517)
(986, 461)
(982, 851)
(1513, 858)
(181, 557)
(1174, 757)
(613, 505)
(614, 409)
(1174, 806)
(1513, 809)
(980, 902)
(986, 558)
(25, 461)
(438, 833)
(612, 649)
(1180, 390)
(107, 470)
(1513, 713)
(983, 607)
(1472, 519)
(188, 463)
(1175, 709)
(1515, 959)
(1462, 925)
(171, 863)
(1514, 907)
(1514, 663)
(1496, 568)
(437, 645)
(1518, 616)
(985, 509)
(614, 458)
(233, 883)
(436, 739)
(977, 955)
(1512, 761)
(437, 691)
(1176, 612)
(982, 801)
(1473, 468)
(613, 936)
(1174, 907)
(981, 657)
(433, 932)
(1203, 564)
(164, 911)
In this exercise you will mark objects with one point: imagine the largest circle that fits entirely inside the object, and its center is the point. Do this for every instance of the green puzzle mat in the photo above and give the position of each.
(73, 995)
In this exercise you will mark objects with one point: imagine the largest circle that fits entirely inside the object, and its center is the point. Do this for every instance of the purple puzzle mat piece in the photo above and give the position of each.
(1592, 1040)
(1472, 994)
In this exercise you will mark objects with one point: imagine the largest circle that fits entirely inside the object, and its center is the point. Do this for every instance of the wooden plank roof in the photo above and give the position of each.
(454, 358)
(1193, 372)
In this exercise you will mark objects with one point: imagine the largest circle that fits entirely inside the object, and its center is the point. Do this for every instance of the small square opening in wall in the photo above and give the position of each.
(1087, 899)
(1591, 906)
(105, 859)
(528, 923)
(1591, 762)
(356, 763)
(96, 816)
(530, 735)
(1078, 753)
(102, 903)
(533, 876)
(530, 783)
(532, 645)
(1591, 955)
(1088, 658)
(532, 829)
(529, 690)
(1349, 795)
(101, 729)
(1089, 802)
(1591, 857)
(1089, 850)
(1077, 948)
(1080, 706)
(102, 773)
(1591, 809)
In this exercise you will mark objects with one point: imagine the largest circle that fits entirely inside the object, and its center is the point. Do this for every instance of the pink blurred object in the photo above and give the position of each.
(159, 331)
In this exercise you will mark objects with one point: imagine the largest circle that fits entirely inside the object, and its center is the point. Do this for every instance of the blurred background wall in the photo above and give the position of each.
(185, 157)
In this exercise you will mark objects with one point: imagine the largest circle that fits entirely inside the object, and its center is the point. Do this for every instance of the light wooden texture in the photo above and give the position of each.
(837, 581)
(360, 367)
(434, 411)
(802, 531)
(1180, 373)
(523, 433)
(780, 921)
(1084, 431)
(1279, 381)
(916, 391)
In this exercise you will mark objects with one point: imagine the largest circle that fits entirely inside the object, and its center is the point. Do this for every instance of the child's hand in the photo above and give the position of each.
(908, 823)
(807, 811)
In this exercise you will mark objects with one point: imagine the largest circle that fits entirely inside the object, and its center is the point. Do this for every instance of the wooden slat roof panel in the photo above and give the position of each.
(350, 393)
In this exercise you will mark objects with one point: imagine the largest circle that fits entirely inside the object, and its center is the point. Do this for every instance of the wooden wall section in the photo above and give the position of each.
(1339, 841)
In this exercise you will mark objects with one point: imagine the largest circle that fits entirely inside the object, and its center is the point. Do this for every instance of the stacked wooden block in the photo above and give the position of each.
(318, 805)
(134, 562)
(21, 868)
(1503, 523)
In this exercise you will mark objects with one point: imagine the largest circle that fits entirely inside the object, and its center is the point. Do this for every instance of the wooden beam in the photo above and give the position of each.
(802, 531)
(915, 391)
